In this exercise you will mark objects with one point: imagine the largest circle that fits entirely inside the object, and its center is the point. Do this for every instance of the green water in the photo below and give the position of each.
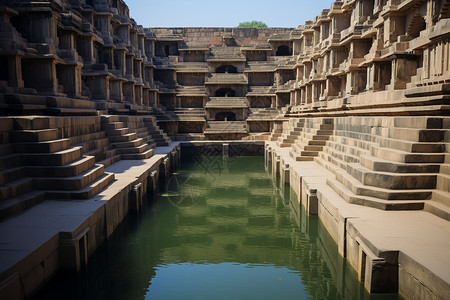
(221, 231)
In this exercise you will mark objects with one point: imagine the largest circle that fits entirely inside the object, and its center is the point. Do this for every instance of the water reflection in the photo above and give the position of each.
(222, 230)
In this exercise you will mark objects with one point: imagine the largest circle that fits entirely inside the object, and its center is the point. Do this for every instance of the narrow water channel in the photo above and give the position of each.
(223, 230)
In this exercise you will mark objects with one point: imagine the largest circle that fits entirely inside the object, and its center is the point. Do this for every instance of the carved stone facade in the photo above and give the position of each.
(361, 92)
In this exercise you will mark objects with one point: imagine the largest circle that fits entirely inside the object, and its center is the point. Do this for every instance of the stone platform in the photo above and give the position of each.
(390, 250)
(60, 234)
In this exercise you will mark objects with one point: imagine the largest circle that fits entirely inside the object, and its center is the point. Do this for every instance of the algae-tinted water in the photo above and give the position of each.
(223, 230)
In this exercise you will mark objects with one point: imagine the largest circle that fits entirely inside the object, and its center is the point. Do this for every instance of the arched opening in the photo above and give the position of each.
(226, 69)
(225, 92)
(225, 116)
(283, 50)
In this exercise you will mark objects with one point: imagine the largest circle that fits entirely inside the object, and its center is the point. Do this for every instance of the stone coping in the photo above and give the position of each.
(32, 235)
(421, 238)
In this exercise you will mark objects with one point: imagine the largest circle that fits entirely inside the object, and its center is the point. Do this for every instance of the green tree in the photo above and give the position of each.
(253, 24)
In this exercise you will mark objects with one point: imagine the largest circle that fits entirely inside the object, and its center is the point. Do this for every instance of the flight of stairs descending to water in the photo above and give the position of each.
(126, 142)
(38, 163)
(291, 132)
(50, 157)
(311, 139)
(146, 128)
(392, 164)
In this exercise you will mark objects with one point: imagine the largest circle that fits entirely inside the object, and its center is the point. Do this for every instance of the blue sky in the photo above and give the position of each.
(224, 13)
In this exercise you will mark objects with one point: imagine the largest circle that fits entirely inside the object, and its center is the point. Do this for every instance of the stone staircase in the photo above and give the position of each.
(277, 130)
(396, 164)
(163, 115)
(38, 163)
(146, 128)
(126, 142)
(312, 139)
(291, 132)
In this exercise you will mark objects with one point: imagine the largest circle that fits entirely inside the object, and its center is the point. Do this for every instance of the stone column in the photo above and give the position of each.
(115, 87)
(15, 71)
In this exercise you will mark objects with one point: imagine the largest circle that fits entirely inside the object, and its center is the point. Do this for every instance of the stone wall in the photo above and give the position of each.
(213, 36)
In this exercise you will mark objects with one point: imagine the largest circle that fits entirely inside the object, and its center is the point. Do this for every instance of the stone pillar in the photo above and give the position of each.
(15, 71)
(138, 94)
(135, 197)
(128, 91)
(86, 50)
(69, 76)
(73, 251)
(152, 185)
(145, 96)
(115, 87)
(124, 32)
(402, 70)
(99, 86)
(119, 58)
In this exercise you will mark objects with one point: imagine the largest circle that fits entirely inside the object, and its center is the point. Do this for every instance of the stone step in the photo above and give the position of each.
(80, 139)
(33, 122)
(139, 149)
(414, 147)
(15, 206)
(94, 144)
(445, 169)
(373, 202)
(16, 188)
(438, 209)
(41, 135)
(393, 181)
(117, 132)
(71, 169)
(443, 182)
(442, 197)
(329, 127)
(417, 135)
(317, 143)
(61, 111)
(110, 118)
(112, 125)
(59, 158)
(138, 156)
(163, 143)
(425, 122)
(134, 143)
(304, 158)
(382, 165)
(69, 183)
(357, 188)
(123, 138)
(87, 192)
(10, 175)
(10, 161)
(110, 160)
(6, 149)
(313, 148)
(321, 137)
(309, 153)
(39, 147)
(406, 157)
